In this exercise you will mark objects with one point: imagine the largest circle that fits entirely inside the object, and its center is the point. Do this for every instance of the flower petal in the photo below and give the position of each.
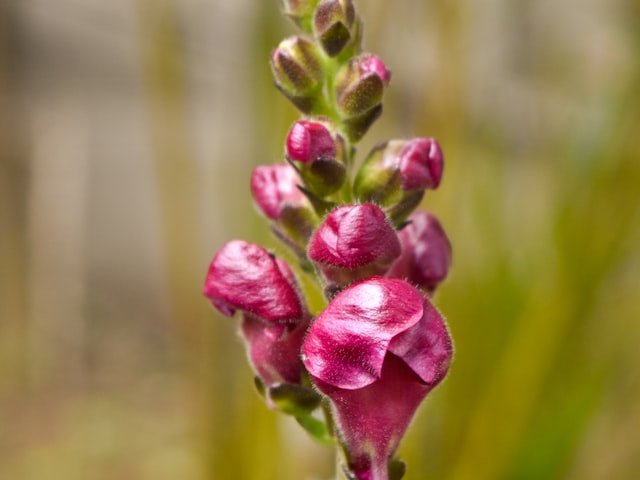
(244, 276)
(347, 343)
(425, 347)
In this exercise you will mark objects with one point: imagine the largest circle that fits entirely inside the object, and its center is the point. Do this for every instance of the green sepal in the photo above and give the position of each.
(321, 206)
(326, 175)
(355, 127)
(401, 210)
(260, 387)
(397, 469)
(294, 399)
(317, 429)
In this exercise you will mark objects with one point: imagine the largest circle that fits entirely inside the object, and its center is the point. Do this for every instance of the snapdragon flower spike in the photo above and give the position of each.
(360, 84)
(333, 24)
(297, 70)
(354, 242)
(426, 252)
(376, 351)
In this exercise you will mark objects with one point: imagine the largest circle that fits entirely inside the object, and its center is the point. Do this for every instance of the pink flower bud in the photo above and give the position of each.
(307, 141)
(372, 65)
(376, 351)
(421, 163)
(426, 252)
(399, 166)
(244, 276)
(360, 84)
(354, 242)
(275, 187)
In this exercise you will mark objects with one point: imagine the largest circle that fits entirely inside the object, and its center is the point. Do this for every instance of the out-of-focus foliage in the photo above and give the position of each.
(127, 134)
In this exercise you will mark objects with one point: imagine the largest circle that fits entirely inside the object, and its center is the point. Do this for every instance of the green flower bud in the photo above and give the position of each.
(297, 70)
(359, 88)
(333, 24)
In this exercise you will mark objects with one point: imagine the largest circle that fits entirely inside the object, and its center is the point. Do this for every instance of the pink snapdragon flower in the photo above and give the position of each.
(376, 351)
(354, 242)
(245, 277)
(426, 252)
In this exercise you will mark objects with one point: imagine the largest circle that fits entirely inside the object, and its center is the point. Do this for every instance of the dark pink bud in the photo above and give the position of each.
(426, 252)
(244, 276)
(354, 242)
(421, 164)
(307, 141)
(275, 187)
(376, 351)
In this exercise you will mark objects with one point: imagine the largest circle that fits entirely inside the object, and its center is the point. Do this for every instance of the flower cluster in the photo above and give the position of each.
(379, 346)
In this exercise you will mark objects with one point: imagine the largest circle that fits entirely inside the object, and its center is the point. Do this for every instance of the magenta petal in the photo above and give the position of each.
(425, 347)
(274, 349)
(372, 64)
(421, 163)
(275, 186)
(244, 276)
(426, 252)
(353, 236)
(347, 343)
(307, 141)
(372, 420)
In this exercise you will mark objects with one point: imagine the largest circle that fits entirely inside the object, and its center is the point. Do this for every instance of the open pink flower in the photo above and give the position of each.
(354, 242)
(426, 252)
(376, 351)
(245, 277)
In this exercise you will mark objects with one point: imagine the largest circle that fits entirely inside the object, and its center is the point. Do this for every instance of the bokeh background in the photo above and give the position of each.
(128, 130)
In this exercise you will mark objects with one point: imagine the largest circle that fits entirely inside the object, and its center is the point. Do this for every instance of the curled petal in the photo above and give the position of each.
(244, 276)
(425, 347)
(347, 343)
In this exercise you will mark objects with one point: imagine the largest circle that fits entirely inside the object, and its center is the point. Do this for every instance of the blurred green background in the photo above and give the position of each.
(128, 130)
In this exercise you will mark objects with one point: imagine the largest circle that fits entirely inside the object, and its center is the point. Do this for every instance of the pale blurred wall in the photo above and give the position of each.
(127, 132)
